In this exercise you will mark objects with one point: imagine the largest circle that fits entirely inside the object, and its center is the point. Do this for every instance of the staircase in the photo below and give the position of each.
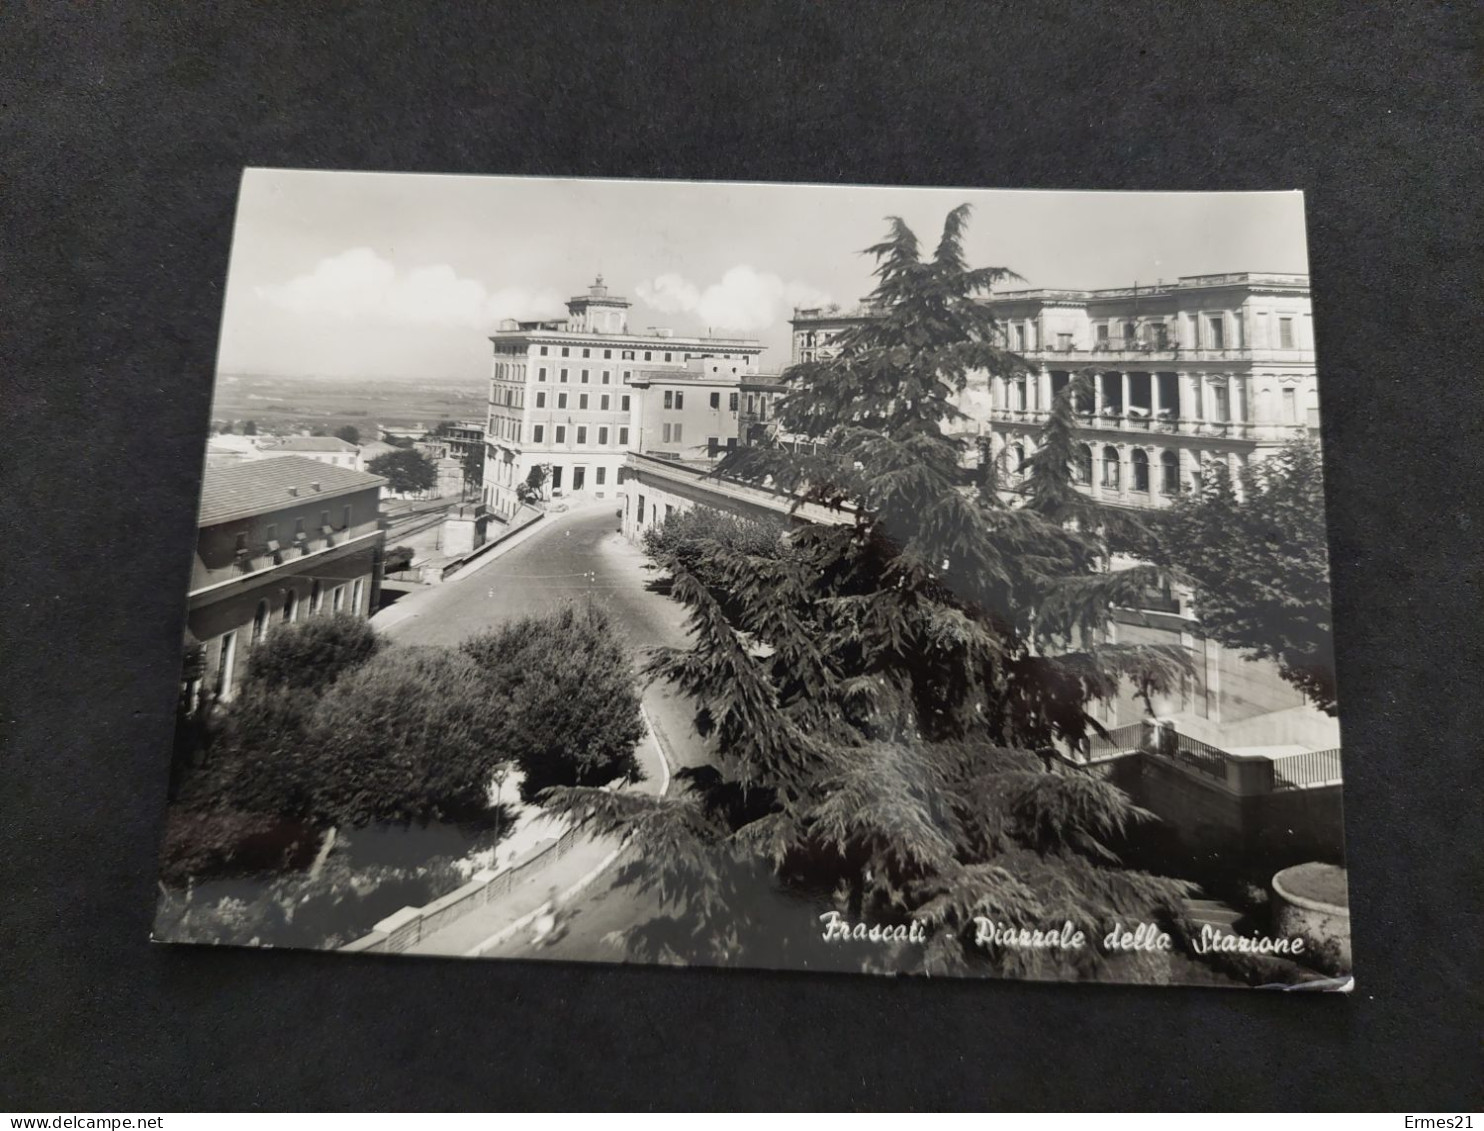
(1213, 913)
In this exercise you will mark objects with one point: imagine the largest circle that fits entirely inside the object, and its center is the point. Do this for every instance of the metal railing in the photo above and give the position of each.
(1208, 760)
(1120, 740)
(1308, 770)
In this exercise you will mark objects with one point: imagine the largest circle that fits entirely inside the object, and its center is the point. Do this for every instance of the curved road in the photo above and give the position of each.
(576, 556)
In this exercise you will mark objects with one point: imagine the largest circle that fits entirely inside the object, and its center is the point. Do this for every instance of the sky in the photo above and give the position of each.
(378, 275)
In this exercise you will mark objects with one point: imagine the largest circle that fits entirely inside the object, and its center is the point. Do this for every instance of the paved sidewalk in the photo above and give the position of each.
(511, 914)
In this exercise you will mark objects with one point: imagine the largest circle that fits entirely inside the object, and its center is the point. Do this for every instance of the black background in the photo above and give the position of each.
(123, 131)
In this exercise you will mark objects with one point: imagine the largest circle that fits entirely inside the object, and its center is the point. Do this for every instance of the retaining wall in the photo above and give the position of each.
(409, 926)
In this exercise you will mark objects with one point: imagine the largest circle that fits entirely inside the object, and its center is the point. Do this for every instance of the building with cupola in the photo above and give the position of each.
(573, 395)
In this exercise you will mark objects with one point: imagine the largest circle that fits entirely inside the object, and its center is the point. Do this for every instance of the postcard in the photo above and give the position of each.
(913, 581)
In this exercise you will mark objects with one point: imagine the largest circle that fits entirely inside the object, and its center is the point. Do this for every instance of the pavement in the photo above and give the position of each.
(573, 556)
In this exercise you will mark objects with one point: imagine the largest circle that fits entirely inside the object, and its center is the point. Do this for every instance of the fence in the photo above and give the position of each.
(408, 927)
(1204, 759)
(1308, 770)
(1120, 740)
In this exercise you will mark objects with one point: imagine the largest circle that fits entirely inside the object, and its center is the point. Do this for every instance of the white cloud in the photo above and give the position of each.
(360, 285)
(744, 299)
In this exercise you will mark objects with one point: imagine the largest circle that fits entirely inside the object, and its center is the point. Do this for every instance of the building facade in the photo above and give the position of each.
(571, 395)
(1207, 368)
(279, 540)
(691, 413)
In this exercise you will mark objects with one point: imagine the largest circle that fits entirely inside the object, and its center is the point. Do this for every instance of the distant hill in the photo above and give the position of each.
(277, 403)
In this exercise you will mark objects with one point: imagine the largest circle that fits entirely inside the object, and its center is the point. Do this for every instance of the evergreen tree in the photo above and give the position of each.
(881, 694)
(1258, 562)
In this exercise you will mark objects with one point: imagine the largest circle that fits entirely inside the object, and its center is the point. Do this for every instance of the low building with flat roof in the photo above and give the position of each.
(279, 540)
(323, 449)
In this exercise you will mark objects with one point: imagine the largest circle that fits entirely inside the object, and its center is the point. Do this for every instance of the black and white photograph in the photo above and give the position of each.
(876, 580)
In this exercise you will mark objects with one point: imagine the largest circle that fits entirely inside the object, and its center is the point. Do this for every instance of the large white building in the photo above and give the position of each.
(570, 394)
(1208, 367)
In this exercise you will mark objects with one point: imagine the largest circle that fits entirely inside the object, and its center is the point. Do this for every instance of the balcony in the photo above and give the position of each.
(1140, 421)
(255, 560)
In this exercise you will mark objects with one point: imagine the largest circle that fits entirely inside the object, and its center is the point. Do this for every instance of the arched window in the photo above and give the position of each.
(1141, 469)
(290, 606)
(260, 622)
(1082, 465)
(1169, 464)
(315, 597)
(1015, 458)
(1110, 466)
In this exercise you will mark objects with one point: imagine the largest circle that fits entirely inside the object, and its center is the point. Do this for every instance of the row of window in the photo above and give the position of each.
(1207, 332)
(624, 355)
(639, 512)
(1111, 465)
(631, 355)
(582, 402)
(579, 477)
(565, 375)
(675, 399)
(1023, 392)
(270, 532)
(559, 435)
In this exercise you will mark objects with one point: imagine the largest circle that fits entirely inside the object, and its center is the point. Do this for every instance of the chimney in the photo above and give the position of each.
(294, 491)
(314, 486)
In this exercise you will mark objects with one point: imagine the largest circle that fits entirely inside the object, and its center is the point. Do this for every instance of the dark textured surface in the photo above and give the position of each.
(123, 135)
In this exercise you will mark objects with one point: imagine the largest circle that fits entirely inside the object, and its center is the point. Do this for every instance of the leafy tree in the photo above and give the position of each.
(250, 428)
(568, 689)
(410, 735)
(880, 693)
(349, 433)
(311, 654)
(472, 463)
(532, 490)
(1258, 562)
(406, 470)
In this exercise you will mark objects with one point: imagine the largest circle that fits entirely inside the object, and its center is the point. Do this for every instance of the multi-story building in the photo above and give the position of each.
(690, 413)
(570, 394)
(1207, 368)
(279, 540)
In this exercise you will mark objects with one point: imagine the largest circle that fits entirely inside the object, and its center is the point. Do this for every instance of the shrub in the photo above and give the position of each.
(571, 695)
(310, 654)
